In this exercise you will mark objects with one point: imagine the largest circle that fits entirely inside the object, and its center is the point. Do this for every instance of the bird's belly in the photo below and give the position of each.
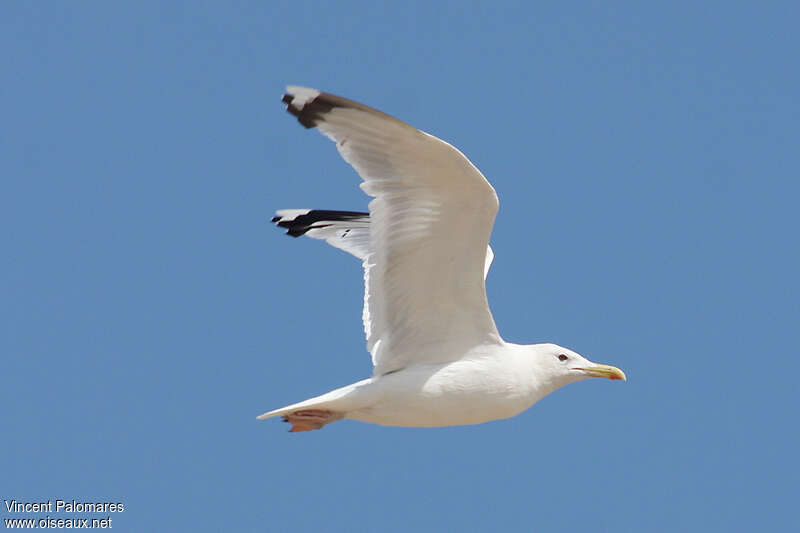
(460, 393)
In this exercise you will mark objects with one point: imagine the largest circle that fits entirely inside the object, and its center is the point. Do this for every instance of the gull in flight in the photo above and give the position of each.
(424, 245)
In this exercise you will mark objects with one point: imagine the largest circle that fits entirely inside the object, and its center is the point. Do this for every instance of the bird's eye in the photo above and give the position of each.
(562, 357)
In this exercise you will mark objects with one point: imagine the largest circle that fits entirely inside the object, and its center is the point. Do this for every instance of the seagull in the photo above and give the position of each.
(424, 246)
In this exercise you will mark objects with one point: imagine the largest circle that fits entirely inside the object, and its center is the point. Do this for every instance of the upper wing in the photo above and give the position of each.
(430, 221)
(346, 230)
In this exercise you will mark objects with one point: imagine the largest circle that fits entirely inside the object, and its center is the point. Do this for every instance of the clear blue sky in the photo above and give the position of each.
(647, 163)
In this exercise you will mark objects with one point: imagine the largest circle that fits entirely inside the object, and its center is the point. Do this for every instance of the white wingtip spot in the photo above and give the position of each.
(301, 95)
(291, 214)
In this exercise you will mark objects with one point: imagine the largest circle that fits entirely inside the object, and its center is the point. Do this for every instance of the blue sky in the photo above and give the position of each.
(646, 159)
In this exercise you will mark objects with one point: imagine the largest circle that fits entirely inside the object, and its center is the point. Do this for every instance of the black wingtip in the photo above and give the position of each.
(315, 219)
(312, 111)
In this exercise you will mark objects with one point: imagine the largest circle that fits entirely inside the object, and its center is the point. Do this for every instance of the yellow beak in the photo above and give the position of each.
(604, 371)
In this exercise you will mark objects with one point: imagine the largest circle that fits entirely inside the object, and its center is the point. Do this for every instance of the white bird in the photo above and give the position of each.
(424, 245)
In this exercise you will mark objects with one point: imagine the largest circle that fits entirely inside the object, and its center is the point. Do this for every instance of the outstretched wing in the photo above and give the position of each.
(346, 230)
(430, 222)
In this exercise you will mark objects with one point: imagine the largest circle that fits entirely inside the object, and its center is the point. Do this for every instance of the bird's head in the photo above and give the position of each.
(565, 366)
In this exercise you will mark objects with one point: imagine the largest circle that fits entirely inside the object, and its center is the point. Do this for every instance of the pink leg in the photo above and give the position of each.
(309, 419)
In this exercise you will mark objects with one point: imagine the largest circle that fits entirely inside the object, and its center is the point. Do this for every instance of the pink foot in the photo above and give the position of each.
(309, 419)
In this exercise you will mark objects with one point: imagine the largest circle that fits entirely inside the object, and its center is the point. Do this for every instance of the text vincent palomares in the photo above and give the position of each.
(63, 506)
